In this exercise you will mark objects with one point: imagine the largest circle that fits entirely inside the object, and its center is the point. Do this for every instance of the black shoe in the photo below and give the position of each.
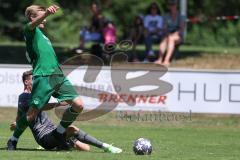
(62, 145)
(11, 145)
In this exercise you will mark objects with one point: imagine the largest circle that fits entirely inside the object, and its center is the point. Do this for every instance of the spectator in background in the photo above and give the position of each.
(153, 24)
(94, 32)
(137, 34)
(109, 33)
(174, 25)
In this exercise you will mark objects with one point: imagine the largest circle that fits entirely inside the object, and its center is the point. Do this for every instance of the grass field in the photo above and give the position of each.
(205, 137)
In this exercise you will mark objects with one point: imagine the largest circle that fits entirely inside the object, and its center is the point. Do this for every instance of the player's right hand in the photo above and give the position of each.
(52, 9)
(13, 126)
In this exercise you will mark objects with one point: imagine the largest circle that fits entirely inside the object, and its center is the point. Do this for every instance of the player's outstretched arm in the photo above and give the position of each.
(38, 20)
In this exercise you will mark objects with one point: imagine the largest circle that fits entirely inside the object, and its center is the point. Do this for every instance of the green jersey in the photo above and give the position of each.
(40, 53)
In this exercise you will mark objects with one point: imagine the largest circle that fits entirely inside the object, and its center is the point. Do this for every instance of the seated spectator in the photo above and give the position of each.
(109, 33)
(94, 32)
(153, 24)
(137, 34)
(174, 25)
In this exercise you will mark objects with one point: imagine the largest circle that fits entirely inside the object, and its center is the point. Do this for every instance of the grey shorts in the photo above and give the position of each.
(49, 142)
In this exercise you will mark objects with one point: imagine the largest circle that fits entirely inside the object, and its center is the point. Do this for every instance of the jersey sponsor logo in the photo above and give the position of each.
(36, 101)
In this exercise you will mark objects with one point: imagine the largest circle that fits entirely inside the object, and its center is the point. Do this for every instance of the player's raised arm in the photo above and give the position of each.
(37, 18)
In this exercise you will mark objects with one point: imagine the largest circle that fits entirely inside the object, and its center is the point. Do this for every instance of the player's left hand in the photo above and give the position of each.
(13, 126)
(52, 9)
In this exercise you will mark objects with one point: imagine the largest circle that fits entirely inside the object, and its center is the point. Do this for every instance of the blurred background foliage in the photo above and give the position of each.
(64, 27)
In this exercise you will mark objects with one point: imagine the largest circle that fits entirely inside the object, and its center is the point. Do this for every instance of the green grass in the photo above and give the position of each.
(203, 138)
(201, 49)
(216, 50)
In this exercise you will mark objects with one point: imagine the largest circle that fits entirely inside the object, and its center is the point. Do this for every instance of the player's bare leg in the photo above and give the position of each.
(69, 116)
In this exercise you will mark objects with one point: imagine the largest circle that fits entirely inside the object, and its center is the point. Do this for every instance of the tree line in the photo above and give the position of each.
(74, 14)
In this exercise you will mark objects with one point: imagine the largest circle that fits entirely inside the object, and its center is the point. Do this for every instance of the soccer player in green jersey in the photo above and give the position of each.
(48, 78)
(42, 127)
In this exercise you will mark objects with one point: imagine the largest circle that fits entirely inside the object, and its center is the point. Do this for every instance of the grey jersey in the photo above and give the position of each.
(41, 125)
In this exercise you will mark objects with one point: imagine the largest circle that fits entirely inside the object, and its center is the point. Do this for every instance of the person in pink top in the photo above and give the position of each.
(109, 33)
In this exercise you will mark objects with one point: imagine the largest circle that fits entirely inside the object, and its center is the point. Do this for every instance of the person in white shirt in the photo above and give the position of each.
(153, 24)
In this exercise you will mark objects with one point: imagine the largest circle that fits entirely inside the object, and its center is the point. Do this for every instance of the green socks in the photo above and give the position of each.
(22, 124)
(69, 116)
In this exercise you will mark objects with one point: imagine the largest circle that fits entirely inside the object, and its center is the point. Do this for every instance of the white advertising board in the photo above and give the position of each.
(200, 91)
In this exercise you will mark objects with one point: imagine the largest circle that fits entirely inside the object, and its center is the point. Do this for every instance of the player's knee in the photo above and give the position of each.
(77, 105)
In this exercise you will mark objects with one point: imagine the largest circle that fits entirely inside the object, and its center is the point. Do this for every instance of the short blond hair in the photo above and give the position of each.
(31, 10)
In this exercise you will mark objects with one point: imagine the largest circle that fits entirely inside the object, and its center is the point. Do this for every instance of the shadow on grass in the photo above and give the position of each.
(43, 150)
(24, 149)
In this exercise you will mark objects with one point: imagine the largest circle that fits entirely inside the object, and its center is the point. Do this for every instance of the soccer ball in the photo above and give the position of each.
(142, 146)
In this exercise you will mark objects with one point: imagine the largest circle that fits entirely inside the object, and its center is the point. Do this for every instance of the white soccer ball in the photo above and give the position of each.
(142, 146)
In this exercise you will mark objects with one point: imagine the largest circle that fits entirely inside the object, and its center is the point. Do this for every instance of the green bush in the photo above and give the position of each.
(215, 34)
(64, 27)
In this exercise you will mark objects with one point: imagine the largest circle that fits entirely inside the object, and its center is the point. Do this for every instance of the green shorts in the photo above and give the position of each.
(57, 86)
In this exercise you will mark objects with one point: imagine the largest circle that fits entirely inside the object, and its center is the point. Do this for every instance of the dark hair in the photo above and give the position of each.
(135, 20)
(153, 4)
(108, 21)
(171, 3)
(26, 75)
(96, 3)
